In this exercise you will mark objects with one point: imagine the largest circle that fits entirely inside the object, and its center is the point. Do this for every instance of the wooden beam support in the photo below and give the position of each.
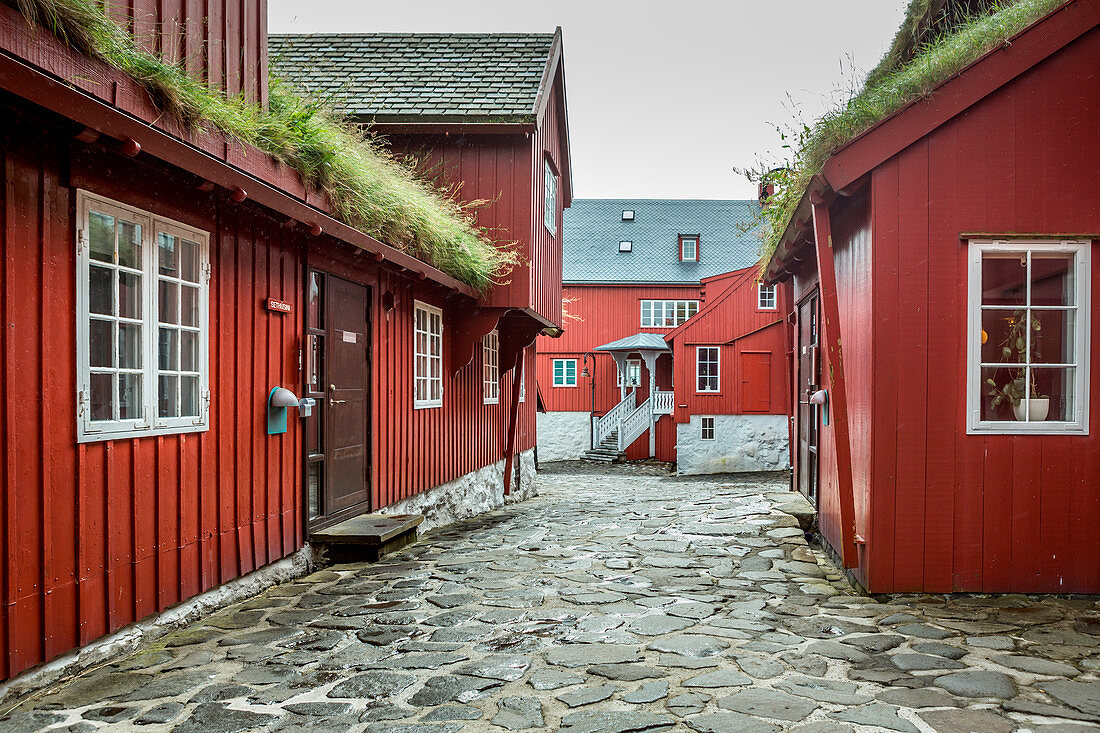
(838, 396)
(513, 421)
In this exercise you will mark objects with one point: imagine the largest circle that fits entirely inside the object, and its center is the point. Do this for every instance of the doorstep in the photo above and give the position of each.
(367, 536)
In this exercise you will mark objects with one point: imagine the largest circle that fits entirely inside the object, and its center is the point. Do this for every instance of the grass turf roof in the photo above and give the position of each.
(367, 188)
(887, 91)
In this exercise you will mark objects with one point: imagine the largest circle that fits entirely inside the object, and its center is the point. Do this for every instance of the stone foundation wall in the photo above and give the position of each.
(563, 436)
(467, 496)
(741, 443)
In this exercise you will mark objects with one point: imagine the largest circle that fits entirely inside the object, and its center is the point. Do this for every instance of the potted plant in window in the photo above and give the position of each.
(1014, 349)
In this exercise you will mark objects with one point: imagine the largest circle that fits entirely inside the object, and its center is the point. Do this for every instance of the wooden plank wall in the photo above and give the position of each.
(98, 535)
(221, 42)
(546, 249)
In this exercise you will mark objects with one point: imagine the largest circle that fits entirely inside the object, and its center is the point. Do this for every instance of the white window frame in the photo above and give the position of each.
(632, 365)
(974, 392)
(628, 214)
(434, 339)
(704, 427)
(523, 379)
(150, 423)
(691, 307)
(767, 298)
(490, 368)
(684, 239)
(565, 382)
(626, 246)
(550, 198)
(718, 371)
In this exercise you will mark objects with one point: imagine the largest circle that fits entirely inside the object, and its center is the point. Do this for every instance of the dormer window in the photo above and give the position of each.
(689, 248)
(626, 246)
(628, 214)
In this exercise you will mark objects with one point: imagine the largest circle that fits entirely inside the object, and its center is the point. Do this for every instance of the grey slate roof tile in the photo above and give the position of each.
(592, 229)
(459, 75)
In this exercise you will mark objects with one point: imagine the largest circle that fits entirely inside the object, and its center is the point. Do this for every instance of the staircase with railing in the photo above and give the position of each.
(625, 423)
(663, 402)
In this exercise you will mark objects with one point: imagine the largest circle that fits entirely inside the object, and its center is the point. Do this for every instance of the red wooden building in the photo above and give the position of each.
(945, 258)
(664, 296)
(159, 282)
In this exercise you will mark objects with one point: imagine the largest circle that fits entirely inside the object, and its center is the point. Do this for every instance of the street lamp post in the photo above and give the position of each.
(592, 387)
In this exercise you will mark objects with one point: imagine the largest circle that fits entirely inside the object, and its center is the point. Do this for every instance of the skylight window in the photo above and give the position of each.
(626, 246)
(628, 214)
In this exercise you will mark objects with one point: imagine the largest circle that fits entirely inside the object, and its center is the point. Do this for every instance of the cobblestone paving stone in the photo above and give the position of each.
(621, 599)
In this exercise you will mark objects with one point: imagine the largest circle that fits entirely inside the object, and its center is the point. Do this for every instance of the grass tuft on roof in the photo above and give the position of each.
(368, 189)
(887, 91)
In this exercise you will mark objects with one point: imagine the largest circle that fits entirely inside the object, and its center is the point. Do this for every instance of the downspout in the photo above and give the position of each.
(838, 397)
(510, 444)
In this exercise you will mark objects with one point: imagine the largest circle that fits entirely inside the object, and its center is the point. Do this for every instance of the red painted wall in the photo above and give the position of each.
(951, 511)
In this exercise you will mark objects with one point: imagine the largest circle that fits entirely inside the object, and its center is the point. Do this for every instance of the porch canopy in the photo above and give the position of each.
(648, 345)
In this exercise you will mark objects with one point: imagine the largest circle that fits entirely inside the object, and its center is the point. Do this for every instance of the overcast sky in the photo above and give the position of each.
(665, 98)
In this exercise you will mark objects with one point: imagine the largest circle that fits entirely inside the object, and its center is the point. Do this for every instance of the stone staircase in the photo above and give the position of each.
(608, 450)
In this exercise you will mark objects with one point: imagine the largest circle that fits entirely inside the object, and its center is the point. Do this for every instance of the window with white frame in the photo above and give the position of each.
(490, 367)
(706, 427)
(565, 372)
(633, 373)
(142, 330)
(626, 246)
(706, 369)
(765, 297)
(689, 248)
(667, 313)
(628, 214)
(523, 382)
(428, 356)
(550, 199)
(1028, 327)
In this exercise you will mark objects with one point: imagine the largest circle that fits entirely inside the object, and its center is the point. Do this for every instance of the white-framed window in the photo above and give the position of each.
(626, 246)
(490, 367)
(550, 199)
(565, 372)
(633, 373)
(765, 297)
(628, 214)
(142, 294)
(706, 427)
(1028, 336)
(706, 369)
(523, 381)
(427, 356)
(689, 248)
(667, 313)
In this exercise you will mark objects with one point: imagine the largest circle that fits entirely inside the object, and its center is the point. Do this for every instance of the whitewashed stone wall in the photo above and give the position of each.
(467, 496)
(563, 436)
(741, 443)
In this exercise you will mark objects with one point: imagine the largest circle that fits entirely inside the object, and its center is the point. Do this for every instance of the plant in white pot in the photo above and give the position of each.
(1014, 349)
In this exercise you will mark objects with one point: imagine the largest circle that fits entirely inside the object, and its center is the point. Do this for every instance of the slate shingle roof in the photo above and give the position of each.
(418, 76)
(593, 228)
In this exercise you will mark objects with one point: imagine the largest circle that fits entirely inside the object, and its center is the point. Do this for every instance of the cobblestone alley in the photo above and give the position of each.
(621, 599)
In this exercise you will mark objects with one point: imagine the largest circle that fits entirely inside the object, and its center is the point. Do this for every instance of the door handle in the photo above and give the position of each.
(331, 401)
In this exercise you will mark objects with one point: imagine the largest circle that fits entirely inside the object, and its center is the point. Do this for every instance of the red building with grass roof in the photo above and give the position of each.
(943, 263)
(168, 286)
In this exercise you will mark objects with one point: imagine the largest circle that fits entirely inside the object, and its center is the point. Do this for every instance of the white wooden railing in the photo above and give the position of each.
(636, 423)
(663, 403)
(604, 426)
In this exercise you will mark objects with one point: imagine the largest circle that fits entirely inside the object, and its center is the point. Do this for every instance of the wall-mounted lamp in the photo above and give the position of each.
(821, 398)
(278, 400)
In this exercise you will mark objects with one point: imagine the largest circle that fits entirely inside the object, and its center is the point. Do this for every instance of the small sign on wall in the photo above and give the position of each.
(277, 306)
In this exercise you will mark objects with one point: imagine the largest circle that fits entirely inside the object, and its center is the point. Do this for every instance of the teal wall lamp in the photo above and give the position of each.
(278, 400)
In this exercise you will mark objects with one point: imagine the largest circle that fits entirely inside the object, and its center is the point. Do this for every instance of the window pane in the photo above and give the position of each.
(167, 405)
(129, 245)
(129, 397)
(1003, 337)
(681, 312)
(129, 295)
(1053, 278)
(189, 260)
(189, 396)
(101, 290)
(1057, 386)
(314, 307)
(314, 375)
(101, 236)
(129, 345)
(189, 351)
(1053, 339)
(1001, 389)
(313, 481)
(168, 254)
(169, 302)
(168, 350)
(101, 336)
(189, 306)
(1003, 278)
(101, 397)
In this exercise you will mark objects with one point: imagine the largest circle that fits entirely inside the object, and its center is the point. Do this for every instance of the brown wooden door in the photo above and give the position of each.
(338, 377)
(808, 381)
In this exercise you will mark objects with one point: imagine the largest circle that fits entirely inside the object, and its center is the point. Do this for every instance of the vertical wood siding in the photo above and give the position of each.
(951, 511)
(101, 534)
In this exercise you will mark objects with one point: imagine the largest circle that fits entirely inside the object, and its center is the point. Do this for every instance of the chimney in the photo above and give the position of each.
(764, 192)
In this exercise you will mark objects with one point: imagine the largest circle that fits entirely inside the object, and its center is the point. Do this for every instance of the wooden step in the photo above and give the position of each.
(367, 536)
